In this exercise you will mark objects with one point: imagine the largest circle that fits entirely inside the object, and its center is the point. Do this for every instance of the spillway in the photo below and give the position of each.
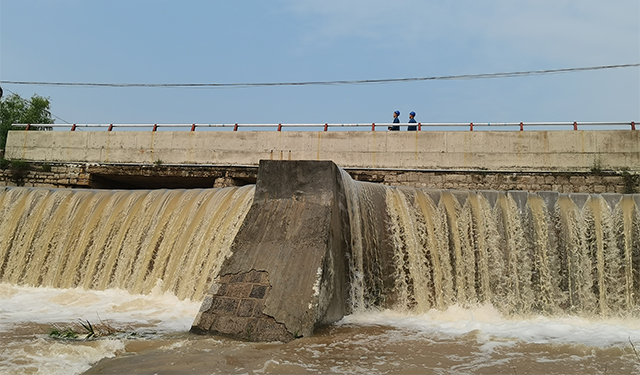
(132, 240)
(410, 249)
(543, 253)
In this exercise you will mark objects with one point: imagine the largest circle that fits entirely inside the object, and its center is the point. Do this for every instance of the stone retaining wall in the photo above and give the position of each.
(562, 182)
(63, 176)
(171, 176)
(113, 176)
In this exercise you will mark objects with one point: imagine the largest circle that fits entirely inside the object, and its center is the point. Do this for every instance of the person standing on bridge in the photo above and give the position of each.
(396, 120)
(412, 120)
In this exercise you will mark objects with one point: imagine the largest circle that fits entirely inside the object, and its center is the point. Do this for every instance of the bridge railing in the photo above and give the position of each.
(421, 126)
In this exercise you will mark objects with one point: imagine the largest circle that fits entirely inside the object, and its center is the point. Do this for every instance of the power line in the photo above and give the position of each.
(327, 83)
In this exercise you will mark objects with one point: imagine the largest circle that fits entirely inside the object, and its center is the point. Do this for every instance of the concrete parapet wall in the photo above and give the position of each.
(484, 150)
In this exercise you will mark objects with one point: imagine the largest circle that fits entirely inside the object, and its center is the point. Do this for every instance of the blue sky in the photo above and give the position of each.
(247, 41)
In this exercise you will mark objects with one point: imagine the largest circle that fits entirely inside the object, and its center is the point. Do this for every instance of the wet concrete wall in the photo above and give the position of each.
(287, 274)
(573, 150)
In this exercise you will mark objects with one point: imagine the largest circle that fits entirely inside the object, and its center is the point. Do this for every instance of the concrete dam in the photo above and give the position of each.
(307, 245)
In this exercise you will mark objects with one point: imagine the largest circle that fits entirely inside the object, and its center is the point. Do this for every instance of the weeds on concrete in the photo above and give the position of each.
(596, 168)
(630, 181)
(19, 165)
(19, 170)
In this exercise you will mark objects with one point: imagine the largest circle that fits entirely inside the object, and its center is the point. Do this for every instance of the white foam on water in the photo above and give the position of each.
(491, 329)
(162, 312)
(35, 353)
(43, 356)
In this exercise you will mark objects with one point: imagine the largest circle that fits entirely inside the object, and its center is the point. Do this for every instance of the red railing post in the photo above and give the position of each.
(326, 127)
(373, 127)
(419, 126)
(633, 125)
(193, 127)
(110, 127)
(471, 126)
(235, 127)
(73, 128)
(155, 127)
(279, 127)
(575, 125)
(521, 126)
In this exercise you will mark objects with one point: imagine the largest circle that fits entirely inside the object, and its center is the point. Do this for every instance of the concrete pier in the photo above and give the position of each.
(287, 274)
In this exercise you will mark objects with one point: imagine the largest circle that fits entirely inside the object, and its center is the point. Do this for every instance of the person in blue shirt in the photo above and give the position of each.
(396, 120)
(412, 120)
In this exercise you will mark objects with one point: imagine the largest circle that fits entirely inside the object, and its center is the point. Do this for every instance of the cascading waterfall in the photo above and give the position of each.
(522, 252)
(413, 249)
(367, 261)
(119, 239)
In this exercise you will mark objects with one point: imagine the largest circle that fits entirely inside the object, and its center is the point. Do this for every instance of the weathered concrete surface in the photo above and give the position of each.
(292, 246)
(481, 150)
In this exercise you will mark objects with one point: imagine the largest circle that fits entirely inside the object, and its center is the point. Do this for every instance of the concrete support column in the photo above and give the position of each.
(287, 274)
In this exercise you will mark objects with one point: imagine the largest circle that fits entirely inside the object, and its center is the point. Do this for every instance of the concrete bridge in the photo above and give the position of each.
(421, 158)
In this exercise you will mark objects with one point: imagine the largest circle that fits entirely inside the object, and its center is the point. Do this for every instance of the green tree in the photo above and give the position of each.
(16, 110)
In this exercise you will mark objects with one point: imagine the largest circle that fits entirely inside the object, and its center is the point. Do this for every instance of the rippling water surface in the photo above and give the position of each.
(454, 341)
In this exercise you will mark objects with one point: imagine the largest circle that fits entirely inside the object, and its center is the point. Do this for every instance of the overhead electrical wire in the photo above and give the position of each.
(327, 83)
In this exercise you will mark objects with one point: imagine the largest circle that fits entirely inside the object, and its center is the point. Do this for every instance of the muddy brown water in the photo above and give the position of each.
(363, 350)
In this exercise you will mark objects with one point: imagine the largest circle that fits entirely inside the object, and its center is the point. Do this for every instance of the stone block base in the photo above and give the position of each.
(234, 307)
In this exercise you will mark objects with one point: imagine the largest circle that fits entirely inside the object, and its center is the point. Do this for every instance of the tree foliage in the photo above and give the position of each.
(16, 110)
